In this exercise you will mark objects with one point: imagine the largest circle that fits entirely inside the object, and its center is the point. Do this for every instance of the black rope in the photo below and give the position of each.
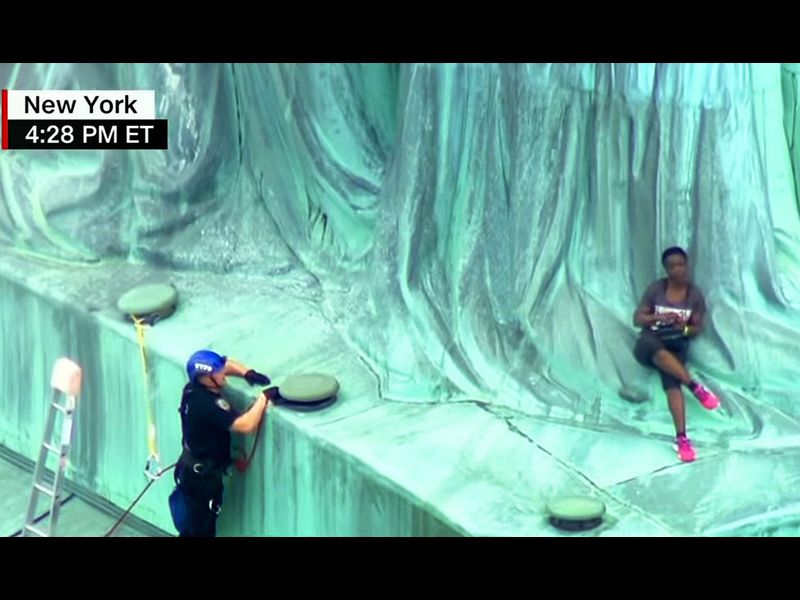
(130, 508)
(243, 463)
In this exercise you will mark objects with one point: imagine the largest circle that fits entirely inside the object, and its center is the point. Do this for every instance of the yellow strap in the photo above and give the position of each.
(152, 442)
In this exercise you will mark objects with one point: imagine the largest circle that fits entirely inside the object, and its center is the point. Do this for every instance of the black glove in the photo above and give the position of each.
(272, 393)
(254, 377)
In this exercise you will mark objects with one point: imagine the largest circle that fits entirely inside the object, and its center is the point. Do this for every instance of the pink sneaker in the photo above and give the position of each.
(685, 449)
(706, 396)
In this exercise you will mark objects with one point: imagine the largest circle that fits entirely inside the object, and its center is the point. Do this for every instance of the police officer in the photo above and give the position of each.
(207, 421)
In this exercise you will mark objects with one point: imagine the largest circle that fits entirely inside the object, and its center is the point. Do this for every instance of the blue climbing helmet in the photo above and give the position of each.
(204, 362)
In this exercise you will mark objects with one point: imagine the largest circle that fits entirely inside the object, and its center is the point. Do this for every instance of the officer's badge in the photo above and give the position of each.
(223, 405)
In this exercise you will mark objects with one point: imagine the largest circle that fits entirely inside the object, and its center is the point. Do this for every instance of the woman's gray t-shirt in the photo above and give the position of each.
(692, 309)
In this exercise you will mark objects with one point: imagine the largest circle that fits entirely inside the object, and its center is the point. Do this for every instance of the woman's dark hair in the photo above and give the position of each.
(669, 252)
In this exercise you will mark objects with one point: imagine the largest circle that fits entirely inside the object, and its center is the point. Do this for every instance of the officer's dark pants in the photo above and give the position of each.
(204, 500)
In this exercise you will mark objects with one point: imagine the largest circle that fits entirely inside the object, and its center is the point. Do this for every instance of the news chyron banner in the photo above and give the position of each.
(82, 120)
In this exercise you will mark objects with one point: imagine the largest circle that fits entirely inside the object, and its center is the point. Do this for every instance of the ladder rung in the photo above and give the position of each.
(52, 448)
(38, 532)
(45, 489)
